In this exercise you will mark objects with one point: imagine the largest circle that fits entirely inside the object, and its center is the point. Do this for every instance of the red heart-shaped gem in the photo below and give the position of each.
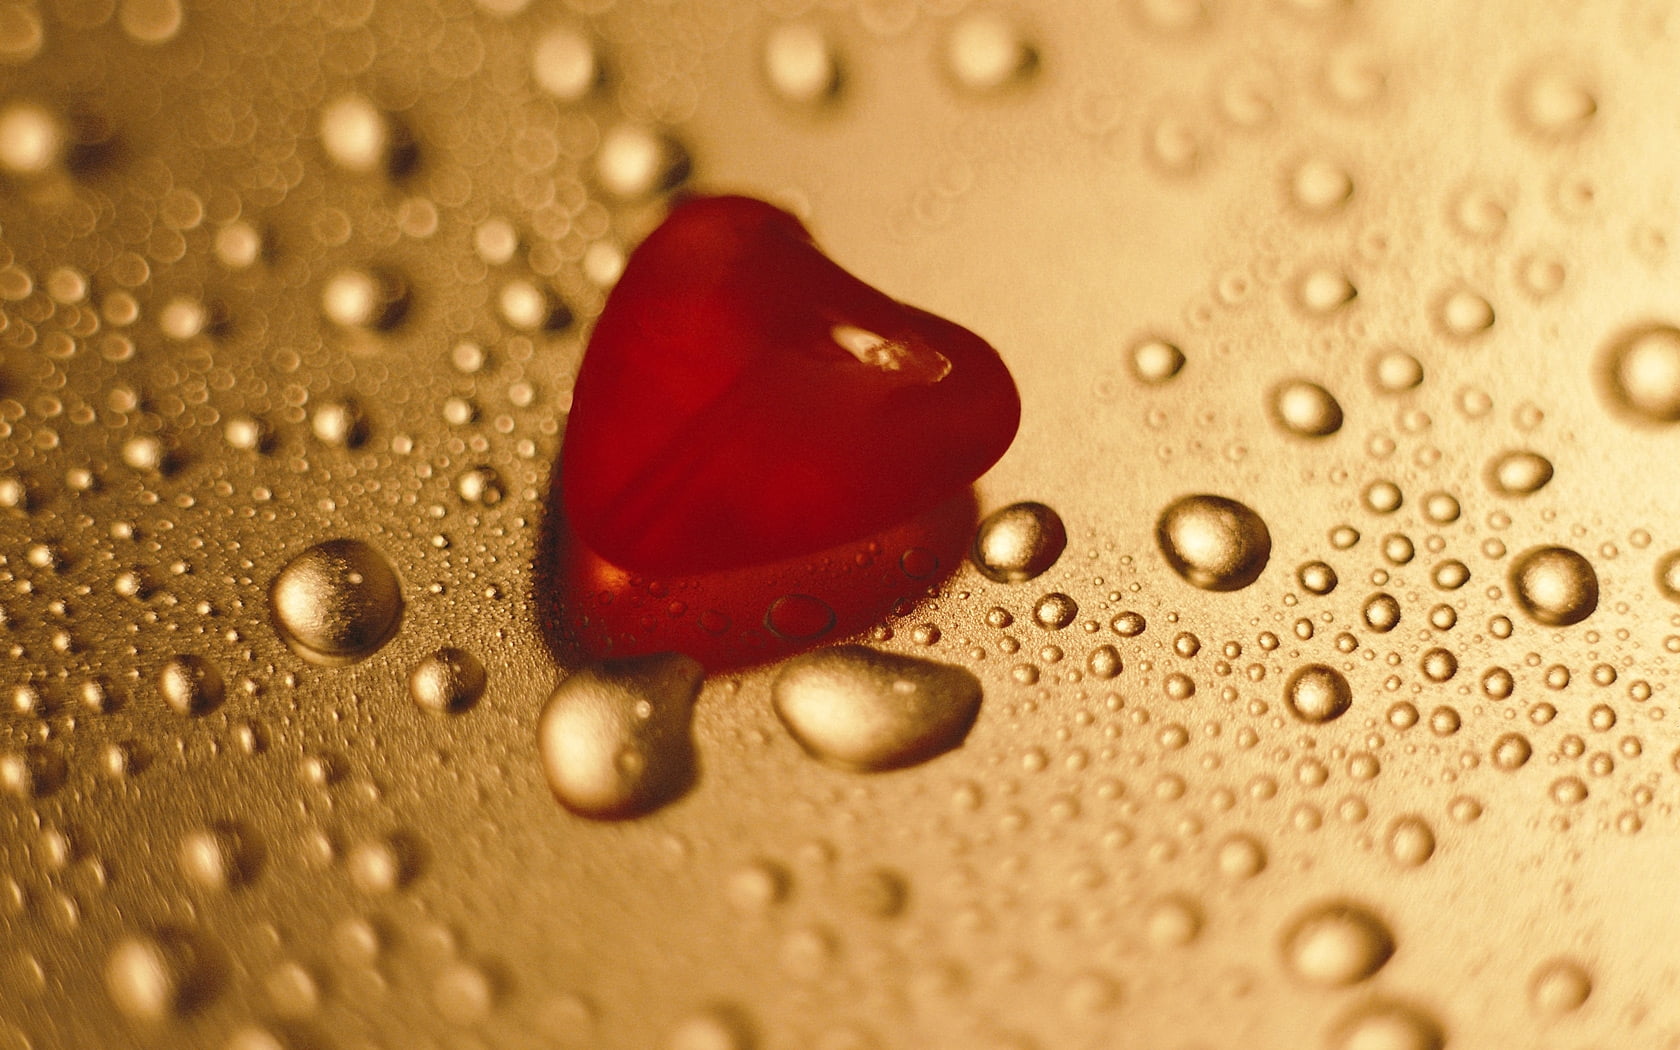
(745, 399)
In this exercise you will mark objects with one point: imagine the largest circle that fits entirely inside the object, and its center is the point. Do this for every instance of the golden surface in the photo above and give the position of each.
(275, 274)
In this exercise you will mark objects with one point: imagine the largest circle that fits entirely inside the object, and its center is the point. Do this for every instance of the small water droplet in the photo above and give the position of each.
(1154, 360)
(614, 737)
(866, 710)
(1213, 542)
(1463, 314)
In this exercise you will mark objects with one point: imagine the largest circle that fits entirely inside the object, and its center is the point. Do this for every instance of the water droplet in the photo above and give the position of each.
(636, 161)
(1511, 751)
(1018, 542)
(1554, 585)
(1382, 497)
(1553, 105)
(614, 737)
(219, 856)
(150, 21)
(1463, 314)
(1172, 922)
(357, 298)
(447, 682)
(35, 771)
(1241, 856)
(1055, 611)
(1213, 542)
(713, 1028)
(1155, 360)
(1305, 409)
(565, 63)
(190, 685)
(1558, 987)
(1316, 577)
(153, 978)
(800, 64)
(32, 139)
(1668, 576)
(1323, 291)
(985, 51)
(866, 710)
(358, 137)
(799, 617)
(1411, 841)
(339, 424)
(1320, 187)
(336, 602)
(1386, 1024)
(1336, 943)
(1519, 472)
(1317, 693)
(1395, 372)
(479, 485)
(1438, 665)
(1639, 371)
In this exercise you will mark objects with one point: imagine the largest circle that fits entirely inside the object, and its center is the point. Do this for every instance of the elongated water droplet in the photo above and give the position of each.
(866, 710)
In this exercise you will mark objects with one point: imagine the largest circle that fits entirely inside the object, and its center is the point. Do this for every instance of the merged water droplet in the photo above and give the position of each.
(1336, 943)
(336, 602)
(1019, 542)
(1554, 585)
(1639, 372)
(1317, 693)
(1213, 542)
(614, 737)
(866, 710)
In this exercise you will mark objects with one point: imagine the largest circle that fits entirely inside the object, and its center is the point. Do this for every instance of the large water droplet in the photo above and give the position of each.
(986, 51)
(32, 139)
(337, 602)
(614, 737)
(801, 65)
(1018, 542)
(1337, 943)
(1559, 986)
(1317, 693)
(867, 710)
(1555, 585)
(1639, 370)
(1215, 543)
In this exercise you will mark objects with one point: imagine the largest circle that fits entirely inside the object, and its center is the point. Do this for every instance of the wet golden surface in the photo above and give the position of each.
(1394, 282)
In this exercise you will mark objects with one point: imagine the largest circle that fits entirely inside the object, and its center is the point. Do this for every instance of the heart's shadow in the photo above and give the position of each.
(590, 609)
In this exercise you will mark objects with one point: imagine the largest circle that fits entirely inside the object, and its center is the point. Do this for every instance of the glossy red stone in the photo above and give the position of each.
(745, 399)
